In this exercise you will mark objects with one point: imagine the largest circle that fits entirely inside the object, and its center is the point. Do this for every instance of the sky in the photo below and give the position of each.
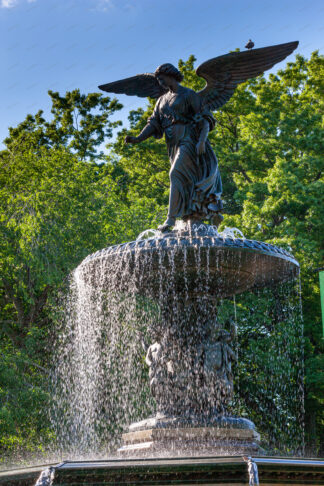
(66, 44)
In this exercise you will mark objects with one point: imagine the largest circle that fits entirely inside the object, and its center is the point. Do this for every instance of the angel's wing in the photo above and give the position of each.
(143, 85)
(224, 73)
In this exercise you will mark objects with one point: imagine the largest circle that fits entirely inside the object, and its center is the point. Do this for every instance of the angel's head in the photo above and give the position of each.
(166, 74)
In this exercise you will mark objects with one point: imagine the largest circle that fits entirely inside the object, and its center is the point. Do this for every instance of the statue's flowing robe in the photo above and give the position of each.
(196, 184)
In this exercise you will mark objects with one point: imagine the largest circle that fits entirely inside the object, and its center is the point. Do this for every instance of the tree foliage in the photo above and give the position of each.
(80, 123)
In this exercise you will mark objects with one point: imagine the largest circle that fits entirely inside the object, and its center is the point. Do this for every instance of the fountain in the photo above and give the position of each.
(186, 272)
(181, 273)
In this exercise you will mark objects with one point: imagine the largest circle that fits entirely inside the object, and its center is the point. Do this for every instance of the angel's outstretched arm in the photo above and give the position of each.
(147, 132)
(152, 128)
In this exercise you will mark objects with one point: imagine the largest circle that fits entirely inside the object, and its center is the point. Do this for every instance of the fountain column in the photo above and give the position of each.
(190, 372)
(190, 361)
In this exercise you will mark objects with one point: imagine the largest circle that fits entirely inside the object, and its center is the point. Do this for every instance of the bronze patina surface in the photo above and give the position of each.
(185, 117)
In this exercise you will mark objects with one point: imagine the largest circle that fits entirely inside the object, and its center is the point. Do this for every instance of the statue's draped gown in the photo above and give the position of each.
(196, 184)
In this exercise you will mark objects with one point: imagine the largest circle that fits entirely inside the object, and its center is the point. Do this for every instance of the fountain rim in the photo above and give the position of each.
(264, 464)
(67, 464)
(114, 461)
(181, 242)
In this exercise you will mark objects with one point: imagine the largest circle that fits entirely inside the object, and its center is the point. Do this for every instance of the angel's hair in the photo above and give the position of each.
(170, 70)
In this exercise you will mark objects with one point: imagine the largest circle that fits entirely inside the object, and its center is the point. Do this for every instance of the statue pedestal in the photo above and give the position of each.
(173, 436)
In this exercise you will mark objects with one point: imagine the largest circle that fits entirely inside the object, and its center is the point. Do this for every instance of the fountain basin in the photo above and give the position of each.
(222, 266)
(219, 471)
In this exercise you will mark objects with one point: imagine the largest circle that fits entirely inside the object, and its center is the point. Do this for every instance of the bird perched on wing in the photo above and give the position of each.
(249, 45)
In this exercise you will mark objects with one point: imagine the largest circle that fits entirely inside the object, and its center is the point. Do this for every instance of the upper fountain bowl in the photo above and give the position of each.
(193, 262)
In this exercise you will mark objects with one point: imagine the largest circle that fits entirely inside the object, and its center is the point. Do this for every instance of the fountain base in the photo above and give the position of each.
(176, 436)
(219, 471)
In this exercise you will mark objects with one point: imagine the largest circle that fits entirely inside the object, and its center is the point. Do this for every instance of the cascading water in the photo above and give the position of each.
(169, 298)
(268, 379)
(98, 357)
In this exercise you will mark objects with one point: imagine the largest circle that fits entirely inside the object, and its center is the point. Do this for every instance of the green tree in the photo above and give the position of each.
(54, 210)
(80, 122)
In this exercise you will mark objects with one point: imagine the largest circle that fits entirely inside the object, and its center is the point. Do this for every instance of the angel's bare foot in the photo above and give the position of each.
(166, 225)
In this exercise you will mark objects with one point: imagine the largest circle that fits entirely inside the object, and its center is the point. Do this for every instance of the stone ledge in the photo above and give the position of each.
(185, 434)
(162, 421)
(190, 441)
(189, 448)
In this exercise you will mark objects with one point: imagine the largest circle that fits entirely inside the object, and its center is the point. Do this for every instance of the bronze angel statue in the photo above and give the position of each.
(185, 117)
